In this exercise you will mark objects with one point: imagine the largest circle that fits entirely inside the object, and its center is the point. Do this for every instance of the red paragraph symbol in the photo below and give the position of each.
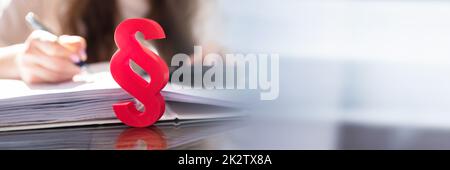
(147, 93)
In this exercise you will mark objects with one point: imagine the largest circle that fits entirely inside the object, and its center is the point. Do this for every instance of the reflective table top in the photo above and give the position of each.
(303, 133)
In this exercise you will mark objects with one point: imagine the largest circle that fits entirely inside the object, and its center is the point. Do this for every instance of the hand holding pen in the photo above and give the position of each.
(47, 58)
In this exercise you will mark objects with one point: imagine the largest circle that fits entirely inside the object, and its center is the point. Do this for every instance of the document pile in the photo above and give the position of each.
(88, 100)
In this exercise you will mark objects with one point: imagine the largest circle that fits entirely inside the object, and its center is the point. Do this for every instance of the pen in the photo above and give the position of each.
(37, 25)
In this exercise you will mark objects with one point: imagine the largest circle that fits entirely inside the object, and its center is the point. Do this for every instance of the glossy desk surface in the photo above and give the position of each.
(242, 134)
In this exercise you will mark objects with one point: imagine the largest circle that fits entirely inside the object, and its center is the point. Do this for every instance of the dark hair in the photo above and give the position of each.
(96, 20)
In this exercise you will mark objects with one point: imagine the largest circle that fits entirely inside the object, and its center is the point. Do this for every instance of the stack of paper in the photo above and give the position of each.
(87, 100)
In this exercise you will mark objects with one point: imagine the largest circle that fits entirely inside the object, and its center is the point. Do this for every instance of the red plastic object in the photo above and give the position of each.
(147, 93)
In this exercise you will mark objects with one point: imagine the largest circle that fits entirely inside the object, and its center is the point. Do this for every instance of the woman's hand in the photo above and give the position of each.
(47, 58)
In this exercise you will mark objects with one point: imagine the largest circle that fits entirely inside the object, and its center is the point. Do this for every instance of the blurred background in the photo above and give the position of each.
(376, 71)
(350, 54)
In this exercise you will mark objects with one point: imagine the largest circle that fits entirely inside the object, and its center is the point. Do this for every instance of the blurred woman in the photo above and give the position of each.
(87, 33)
